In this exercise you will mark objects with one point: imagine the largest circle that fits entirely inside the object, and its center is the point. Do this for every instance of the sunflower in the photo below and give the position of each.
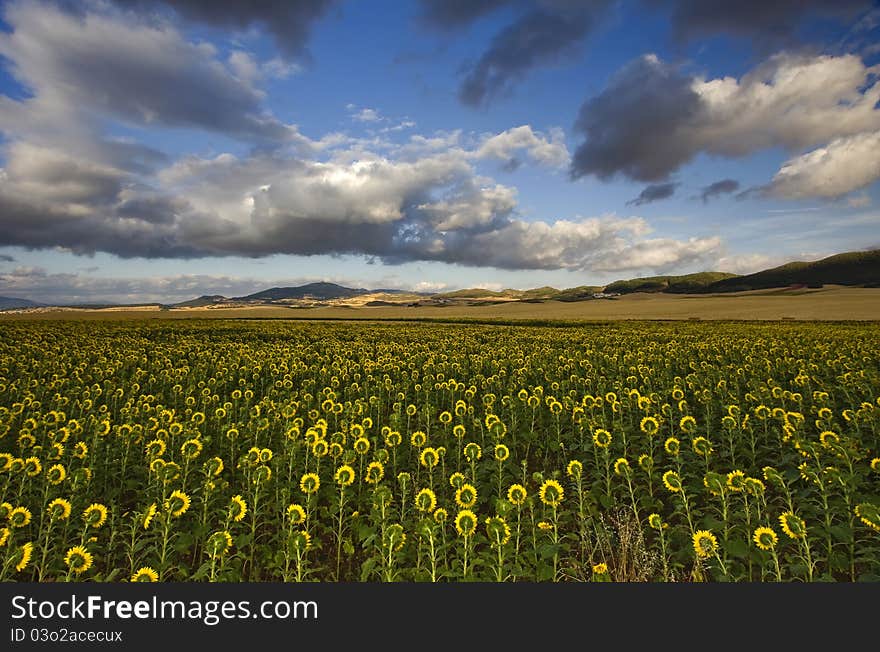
(32, 466)
(237, 508)
(301, 541)
(466, 496)
(191, 448)
(24, 556)
(5, 462)
(19, 517)
(517, 494)
(5, 532)
(600, 569)
(793, 525)
(672, 446)
(149, 514)
(445, 417)
(765, 538)
(394, 537)
(649, 426)
(78, 559)
(551, 493)
(545, 525)
(829, 438)
(418, 439)
(736, 480)
(602, 438)
(621, 466)
(440, 515)
(875, 464)
(869, 514)
(320, 448)
(465, 523)
(310, 483)
(218, 543)
(655, 522)
(426, 500)
(296, 515)
(374, 473)
(145, 574)
(59, 509)
(687, 424)
(702, 446)
(502, 452)
(393, 438)
(646, 462)
(456, 480)
(705, 544)
(429, 457)
(95, 515)
(672, 481)
(498, 531)
(473, 452)
(56, 474)
(459, 431)
(214, 467)
(344, 475)
(177, 503)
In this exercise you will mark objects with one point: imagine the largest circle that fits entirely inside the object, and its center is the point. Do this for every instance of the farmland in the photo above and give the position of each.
(214, 450)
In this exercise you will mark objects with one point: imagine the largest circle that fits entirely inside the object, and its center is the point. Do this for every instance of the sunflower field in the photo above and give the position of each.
(233, 451)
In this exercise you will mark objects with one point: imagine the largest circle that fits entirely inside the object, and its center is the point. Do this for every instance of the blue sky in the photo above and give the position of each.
(157, 150)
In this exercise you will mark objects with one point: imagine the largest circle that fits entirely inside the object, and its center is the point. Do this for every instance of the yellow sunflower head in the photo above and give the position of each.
(551, 493)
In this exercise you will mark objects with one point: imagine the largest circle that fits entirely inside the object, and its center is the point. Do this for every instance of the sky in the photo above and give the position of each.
(157, 150)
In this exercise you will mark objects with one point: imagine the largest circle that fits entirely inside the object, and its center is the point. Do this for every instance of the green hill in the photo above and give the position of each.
(674, 284)
(852, 268)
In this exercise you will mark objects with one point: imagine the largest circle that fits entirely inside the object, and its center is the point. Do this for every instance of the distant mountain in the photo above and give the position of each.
(200, 302)
(851, 268)
(13, 303)
(322, 291)
(673, 284)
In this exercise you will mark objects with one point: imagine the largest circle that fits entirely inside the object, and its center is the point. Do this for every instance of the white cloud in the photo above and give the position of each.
(843, 165)
(547, 150)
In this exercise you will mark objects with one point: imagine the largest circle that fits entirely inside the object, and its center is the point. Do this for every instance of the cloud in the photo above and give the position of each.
(746, 263)
(843, 165)
(454, 14)
(549, 150)
(143, 74)
(862, 200)
(367, 115)
(542, 36)
(652, 118)
(434, 207)
(767, 23)
(713, 190)
(288, 21)
(654, 192)
(6, 258)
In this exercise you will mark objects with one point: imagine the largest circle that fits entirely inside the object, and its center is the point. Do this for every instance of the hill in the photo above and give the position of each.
(686, 284)
(851, 268)
(12, 303)
(202, 301)
(322, 291)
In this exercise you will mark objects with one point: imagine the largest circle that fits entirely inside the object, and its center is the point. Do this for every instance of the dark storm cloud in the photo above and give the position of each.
(453, 14)
(723, 187)
(142, 74)
(288, 21)
(652, 118)
(540, 37)
(768, 23)
(654, 192)
(6, 258)
(633, 126)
